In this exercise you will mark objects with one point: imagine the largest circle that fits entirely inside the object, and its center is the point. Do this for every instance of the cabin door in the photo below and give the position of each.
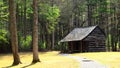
(76, 46)
(84, 46)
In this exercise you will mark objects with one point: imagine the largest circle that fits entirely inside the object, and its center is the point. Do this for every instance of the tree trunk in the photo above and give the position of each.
(53, 40)
(89, 8)
(48, 42)
(13, 32)
(24, 20)
(35, 32)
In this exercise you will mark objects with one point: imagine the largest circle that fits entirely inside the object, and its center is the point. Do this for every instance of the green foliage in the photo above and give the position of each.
(99, 8)
(49, 15)
(21, 6)
(3, 36)
(25, 43)
(92, 2)
(42, 45)
(3, 12)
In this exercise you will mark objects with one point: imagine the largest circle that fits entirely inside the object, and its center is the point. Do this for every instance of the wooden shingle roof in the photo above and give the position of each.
(78, 34)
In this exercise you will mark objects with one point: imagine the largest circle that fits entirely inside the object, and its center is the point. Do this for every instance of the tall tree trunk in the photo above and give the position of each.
(25, 23)
(89, 8)
(13, 32)
(48, 42)
(35, 32)
(53, 40)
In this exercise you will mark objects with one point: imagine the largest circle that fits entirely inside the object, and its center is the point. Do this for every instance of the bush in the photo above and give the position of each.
(4, 41)
(42, 45)
(25, 43)
(3, 36)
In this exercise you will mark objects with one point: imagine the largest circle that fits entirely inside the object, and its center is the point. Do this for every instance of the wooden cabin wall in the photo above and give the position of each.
(70, 47)
(96, 41)
(85, 46)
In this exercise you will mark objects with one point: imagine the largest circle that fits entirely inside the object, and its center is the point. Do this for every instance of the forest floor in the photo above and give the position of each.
(55, 60)
(109, 59)
(48, 60)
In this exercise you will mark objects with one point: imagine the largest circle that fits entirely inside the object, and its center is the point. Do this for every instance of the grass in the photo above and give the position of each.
(48, 60)
(111, 59)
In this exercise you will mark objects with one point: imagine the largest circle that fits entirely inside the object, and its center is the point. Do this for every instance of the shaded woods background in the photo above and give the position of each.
(57, 18)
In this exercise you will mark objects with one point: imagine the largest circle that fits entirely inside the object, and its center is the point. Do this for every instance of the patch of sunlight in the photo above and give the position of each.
(48, 60)
(110, 59)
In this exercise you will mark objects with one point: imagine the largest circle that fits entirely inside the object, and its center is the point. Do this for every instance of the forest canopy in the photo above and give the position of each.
(56, 18)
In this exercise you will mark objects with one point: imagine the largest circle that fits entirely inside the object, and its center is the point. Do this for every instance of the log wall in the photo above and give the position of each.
(96, 41)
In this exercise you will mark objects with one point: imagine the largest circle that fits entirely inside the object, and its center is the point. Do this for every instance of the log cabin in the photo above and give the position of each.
(86, 39)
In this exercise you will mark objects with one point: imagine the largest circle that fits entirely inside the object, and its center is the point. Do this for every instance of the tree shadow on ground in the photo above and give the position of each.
(9, 66)
(28, 65)
(21, 67)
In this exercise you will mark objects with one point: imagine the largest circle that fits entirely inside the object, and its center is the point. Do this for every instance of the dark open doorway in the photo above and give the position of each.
(80, 46)
(76, 46)
(85, 46)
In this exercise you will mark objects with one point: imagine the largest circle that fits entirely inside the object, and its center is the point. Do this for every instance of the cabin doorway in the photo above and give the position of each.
(85, 46)
(76, 46)
(80, 46)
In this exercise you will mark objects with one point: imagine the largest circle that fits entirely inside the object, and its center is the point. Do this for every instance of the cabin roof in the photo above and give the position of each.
(78, 34)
